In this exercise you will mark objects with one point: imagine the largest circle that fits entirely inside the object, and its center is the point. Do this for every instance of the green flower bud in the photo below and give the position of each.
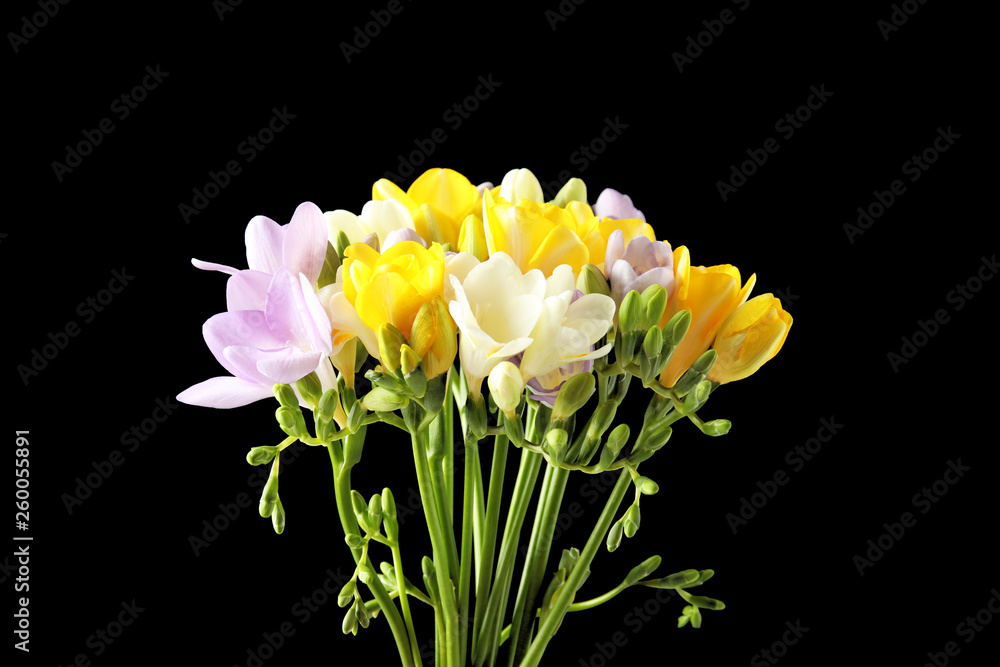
(705, 575)
(632, 521)
(556, 442)
(380, 399)
(362, 613)
(375, 511)
(677, 580)
(347, 593)
(592, 281)
(310, 389)
(675, 330)
(697, 397)
(707, 603)
(269, 496)
(652, 344)
(642, 570)
(654, 302)
(359, 504)
(328, 404)
(347, 394)
(360, 355)
(278, 517)
(388, 503)
(695, 618)
(630, 312)
(430, 578)
(475, 415)
(354, 444)
(390, 340)
(416, 381)
(387, 569)
(603, 416)
(716, 427)
(260, 455)
(408, 359)
(355, 417)
(286, 396)
(569, 558)
(291, 421)
(619, 436)
(514, 430)
(354, 541)
(615, 535)
(365, 573)
(572, 190)
(647, 486)
(350, 624)
(573, 395)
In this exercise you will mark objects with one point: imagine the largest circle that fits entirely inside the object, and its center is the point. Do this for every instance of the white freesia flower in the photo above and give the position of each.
(495, 307)
(521, 184)
(566, 330)
(377, 217)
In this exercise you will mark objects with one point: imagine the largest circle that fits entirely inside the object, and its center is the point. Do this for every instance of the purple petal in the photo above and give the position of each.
(224, 392)
(244, 359)
(294, 313)
(614, 251)
(613, 204)
(241, 327)
(400, 235)
(246, 290)
(287, 365)
(264, 239)
(658, 276)
(304, 247)
(212, 266)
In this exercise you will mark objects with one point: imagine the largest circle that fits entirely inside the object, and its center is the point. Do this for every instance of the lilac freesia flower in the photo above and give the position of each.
(636, 267)
(275, 330)
(613, 204)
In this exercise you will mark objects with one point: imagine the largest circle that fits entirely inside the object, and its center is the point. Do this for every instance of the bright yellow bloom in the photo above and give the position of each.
(434, 337)
(711, 294)
(438, 201)
(392, 287)
(543, 236)
(749, 337)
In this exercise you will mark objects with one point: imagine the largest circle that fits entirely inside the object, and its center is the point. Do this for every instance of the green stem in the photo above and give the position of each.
(404, 602)
(342, 492)
(468, 521)
(439, 486)
(560, 605)
(486, 650)
(439, 544)
(485, 573)
(539, 547)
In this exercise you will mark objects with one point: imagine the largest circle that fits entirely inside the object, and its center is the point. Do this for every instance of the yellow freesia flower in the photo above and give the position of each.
(392, 287)
(434, 337)
(438, 201)
(711, 294)
(749, 337)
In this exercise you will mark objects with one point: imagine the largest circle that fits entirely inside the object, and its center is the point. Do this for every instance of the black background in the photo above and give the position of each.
(132, 538)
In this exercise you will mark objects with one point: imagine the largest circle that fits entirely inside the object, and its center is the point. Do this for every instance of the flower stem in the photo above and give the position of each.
(468, 526)
(342, 491)
(485, 574)
(439, 544)
(561, 603)
(404, 602)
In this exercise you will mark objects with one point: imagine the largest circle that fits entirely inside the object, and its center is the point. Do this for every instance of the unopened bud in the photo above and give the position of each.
(390, 339)
(310, 389)
(654, 302)
(408, 359)
(592, 281)
(573, 190)
(615, 535)
(647, 486)
(380, 399)
(286, 396)
(506, 387)
(347, 593)
(675, 330)
(573, 395)
(642, 570)
(278, 517)
(632, 521)
(261, 455)
(630, 312)
(328, 404)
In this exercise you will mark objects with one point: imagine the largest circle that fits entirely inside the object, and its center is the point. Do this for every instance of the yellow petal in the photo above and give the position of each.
(384, 189)
(561, 246)
(446, 191)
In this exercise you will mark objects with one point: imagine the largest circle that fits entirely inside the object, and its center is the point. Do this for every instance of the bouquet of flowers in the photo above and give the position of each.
(559, 307)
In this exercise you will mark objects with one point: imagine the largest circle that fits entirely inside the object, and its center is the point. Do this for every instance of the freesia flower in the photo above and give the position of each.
(438, 202)
(380, 218)
(636, 267)
(613, 204)
(280, 344)
(567, 329)
(749, 337)
(275, 330)
(496, 308)
(711, 294)
(393, 285)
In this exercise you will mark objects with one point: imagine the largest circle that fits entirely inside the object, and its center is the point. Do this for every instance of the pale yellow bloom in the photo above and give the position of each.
(749, 337)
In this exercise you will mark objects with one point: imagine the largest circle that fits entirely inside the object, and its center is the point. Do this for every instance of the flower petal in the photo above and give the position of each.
(224, 392)
(246, 290)
(264, 239)
(303, 248)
